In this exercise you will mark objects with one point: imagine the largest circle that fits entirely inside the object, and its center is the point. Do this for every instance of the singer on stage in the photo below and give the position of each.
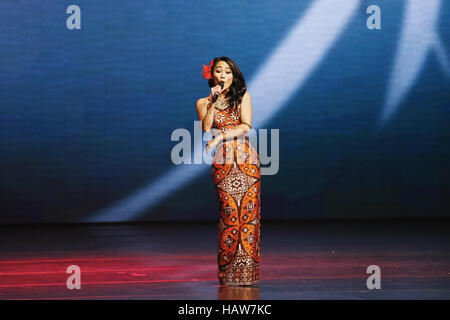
(227, 112)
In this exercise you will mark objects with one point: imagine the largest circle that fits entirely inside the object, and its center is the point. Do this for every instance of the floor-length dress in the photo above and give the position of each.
(237, 179)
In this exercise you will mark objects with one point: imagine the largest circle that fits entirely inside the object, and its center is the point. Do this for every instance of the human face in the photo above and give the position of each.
(222, 72)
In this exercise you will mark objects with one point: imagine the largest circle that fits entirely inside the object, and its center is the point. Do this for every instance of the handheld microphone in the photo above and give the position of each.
(216, 94)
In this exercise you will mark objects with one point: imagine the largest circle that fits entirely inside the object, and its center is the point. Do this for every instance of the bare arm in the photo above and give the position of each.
(206, 112)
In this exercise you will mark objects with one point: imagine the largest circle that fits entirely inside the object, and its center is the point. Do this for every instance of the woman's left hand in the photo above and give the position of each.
(212, 143)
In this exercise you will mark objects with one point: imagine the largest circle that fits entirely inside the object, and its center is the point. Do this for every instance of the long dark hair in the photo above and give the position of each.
(237, 88)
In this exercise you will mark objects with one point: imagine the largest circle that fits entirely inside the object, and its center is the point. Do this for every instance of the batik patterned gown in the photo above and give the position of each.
(237, 179)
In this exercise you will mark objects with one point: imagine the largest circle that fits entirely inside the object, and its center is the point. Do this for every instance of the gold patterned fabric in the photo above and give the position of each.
(237, 180)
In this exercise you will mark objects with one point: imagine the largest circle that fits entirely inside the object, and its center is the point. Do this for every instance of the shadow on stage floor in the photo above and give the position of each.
(177, 261)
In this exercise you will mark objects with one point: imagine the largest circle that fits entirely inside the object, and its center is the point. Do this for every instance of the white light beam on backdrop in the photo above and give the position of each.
(282, 75)
(418, 37)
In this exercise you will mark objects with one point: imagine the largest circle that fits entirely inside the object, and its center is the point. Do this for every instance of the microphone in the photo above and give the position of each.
(216, 94)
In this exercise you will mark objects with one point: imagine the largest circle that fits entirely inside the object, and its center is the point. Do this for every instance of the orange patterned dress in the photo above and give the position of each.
(237, 179)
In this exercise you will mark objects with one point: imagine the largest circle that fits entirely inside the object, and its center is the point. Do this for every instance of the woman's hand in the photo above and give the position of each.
(215, 89)
(212, 143)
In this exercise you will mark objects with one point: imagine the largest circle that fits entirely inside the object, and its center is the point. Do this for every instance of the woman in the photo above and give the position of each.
(236, 171)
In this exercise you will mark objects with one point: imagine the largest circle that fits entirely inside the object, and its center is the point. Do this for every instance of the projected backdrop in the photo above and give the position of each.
(91, 92)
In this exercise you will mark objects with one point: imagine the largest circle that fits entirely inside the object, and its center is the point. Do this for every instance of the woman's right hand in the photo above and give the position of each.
(215, 89)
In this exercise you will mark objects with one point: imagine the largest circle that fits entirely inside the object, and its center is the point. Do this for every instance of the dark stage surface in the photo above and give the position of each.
(300, 260)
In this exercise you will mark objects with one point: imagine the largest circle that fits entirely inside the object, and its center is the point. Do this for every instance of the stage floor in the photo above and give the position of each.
(177, 261)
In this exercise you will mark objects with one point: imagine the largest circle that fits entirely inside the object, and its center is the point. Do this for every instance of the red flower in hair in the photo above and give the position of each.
(207, 70)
